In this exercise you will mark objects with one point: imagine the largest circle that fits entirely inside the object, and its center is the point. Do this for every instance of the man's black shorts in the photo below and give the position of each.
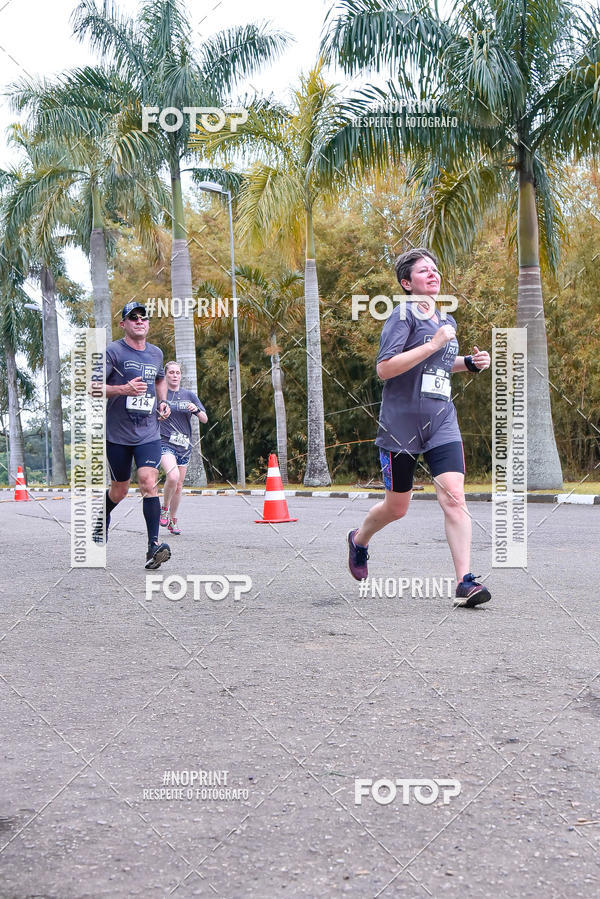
(120, 458)
(398, 468)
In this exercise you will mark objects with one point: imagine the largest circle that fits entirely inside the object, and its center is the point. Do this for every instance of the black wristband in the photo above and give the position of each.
(471, 365)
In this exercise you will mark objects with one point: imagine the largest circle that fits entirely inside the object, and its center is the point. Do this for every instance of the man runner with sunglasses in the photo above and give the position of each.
(136, 391)
(418, 352)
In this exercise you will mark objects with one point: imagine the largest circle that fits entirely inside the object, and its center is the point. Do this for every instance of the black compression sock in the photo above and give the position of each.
(151, 507)
(110, 505)
(100, 533)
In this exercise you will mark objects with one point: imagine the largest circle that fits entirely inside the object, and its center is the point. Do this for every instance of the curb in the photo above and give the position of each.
(572, 499)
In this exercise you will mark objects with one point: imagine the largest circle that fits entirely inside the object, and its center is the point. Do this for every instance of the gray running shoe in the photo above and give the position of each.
(156, 555)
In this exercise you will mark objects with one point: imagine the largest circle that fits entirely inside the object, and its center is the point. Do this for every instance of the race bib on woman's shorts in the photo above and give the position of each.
(179, 440)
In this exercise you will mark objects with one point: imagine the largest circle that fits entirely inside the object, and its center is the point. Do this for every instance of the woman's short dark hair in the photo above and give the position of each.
(405, 262)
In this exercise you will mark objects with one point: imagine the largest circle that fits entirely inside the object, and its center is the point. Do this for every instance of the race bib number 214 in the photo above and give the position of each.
(143, 405)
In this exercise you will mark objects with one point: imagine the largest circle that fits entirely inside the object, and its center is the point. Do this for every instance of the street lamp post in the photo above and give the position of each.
(41, 311)
(213, 187)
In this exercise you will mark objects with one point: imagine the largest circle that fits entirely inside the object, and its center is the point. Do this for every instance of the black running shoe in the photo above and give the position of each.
(157, 554)
(469, 593)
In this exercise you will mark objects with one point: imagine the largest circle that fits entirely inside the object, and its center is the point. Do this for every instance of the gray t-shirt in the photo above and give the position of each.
(417, 412)
(180, 419)
(131, 421)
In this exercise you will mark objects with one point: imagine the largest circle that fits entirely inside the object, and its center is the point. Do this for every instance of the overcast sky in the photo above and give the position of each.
(36, 39)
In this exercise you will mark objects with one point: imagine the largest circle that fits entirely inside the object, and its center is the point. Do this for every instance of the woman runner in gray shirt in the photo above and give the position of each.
(418, 353)
(176, 442)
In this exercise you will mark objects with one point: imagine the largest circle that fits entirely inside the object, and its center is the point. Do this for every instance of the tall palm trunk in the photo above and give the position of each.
(15, 429)
(280, 419)
(183, 325)
(543, 463)
(5, 429)
(238, 440)
(317, 472)
(52, 374)
(99, 269)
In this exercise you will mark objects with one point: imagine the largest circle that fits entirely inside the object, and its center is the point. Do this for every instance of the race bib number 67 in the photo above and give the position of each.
(435, 384)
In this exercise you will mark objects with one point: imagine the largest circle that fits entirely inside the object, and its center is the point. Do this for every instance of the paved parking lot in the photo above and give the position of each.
(275, 703)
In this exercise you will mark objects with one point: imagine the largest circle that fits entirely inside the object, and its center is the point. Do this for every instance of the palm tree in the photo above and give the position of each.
(24, 390)
(15, 320)
(221, 326)
(77, 182)
(521, 80)
(90, 163)
(272, 305)
(265, 307)
(155, 56)
(277, 202)
(44, 264)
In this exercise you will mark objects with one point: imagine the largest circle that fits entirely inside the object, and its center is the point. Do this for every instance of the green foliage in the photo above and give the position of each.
(357, 246)
(522, 82)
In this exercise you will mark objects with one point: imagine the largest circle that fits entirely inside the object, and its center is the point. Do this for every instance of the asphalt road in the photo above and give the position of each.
(286, 696)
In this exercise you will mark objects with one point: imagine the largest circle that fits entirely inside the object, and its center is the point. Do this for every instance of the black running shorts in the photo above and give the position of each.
(120, 458)
(398, 468)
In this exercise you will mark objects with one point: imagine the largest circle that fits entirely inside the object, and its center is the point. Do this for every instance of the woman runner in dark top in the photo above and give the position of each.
(418, 353)
(176, 445)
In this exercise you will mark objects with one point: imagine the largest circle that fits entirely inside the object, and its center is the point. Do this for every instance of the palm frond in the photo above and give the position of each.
(569, 112)
(377, 35)
(165, 26)
(450, 205)
(111, 34)
(270, 206)
(264, 132)
(236, 53)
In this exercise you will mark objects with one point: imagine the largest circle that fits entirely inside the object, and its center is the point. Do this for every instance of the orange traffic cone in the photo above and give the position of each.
(21, 492)
(275, 510)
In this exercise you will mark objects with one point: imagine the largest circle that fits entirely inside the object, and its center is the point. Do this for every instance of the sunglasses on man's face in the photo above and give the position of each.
(134, 317)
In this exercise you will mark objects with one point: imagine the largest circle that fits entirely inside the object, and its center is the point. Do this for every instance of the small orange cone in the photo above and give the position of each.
(21, 492)
(275, 510)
